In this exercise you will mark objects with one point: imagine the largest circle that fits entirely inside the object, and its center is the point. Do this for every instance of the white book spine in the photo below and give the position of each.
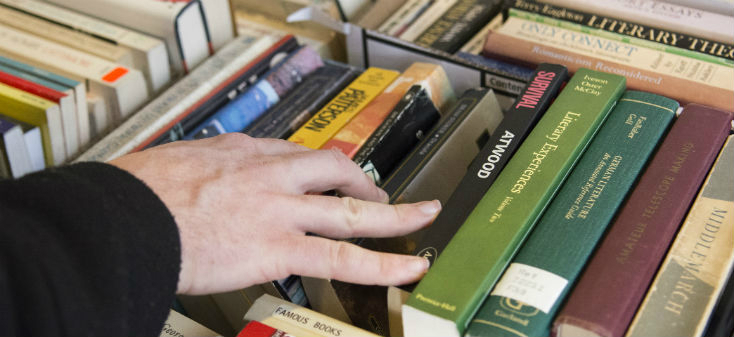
(149, 53)
(475, 45)
(426, 19)
(662, 15)
(169, 105)
(124, 88)
(402, 17)
(180, 24)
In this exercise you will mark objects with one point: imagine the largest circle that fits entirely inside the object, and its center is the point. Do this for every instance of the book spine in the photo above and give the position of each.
(354, 134)
(475, 44)
(661, 14)
(528, 295)
(218, 97)
(255, 101)
(408, 12)
(395, 184)
(693, 275)
(519, 120)
(268, 307)
(617, 276)
(340, 110)
(511, 207)
(458, 24)
(257, 329)
(720, 323)
(107, 75)
(169, 108)
(428, 17)
(411, 118)
(532, 49)
(628, 28)
(308, 97)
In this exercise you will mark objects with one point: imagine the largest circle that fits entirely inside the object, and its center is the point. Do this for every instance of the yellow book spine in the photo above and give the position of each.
(28, 108)
(340, 110)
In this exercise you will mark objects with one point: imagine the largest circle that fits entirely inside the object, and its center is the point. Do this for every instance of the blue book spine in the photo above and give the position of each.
(238, 113)
(38, 72)
(33, 78)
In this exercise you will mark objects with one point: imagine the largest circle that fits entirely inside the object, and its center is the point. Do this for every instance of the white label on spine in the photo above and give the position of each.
(530, 285)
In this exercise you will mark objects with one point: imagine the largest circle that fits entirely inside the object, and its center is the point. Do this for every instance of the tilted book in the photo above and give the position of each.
(682, 75)
(533, 287)
(15, 160)
(170, 107)
(258, 98)
(638, 30)
(458, 24)
(353, 135)
(517, 123)
(149, 53)
(417, 26)
(476, 256)
(693, 275)
(274, 312)
(303, 101)
(720, 323)
(616, 278)
(340, 110)
(662, 15)
(177, 325)
(123, 88)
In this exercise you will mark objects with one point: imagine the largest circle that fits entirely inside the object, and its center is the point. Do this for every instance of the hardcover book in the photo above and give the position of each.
(632, 29)
(616, 278)
(14, 158)
(510, 208)
(286, 116)
(355, 133)
(177, 325)
(340, 110)
(693, 275)
(531, 104)
(685, 76)
(531, 290)
(720, 324)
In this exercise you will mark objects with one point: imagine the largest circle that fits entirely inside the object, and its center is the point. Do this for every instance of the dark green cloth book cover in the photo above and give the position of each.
(531, 290)
(449, 295)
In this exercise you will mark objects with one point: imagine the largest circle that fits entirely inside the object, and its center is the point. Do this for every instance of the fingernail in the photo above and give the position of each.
(385, 198)
(430, 207)
(420, 265)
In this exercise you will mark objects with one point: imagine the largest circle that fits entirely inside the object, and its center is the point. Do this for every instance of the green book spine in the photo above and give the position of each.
(525, 300)
(449, 295)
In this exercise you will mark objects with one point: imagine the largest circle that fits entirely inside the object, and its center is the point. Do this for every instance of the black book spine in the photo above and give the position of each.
(519, 120)
(396, 136)
(627, 28)
(286, 116)
(459, 24)
(721, 323)
(396, 183)
(221, 96)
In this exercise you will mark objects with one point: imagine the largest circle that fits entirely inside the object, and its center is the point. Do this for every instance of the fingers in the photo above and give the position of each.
(349, 217)
(240, 143)
(324, 170)
(324, 258)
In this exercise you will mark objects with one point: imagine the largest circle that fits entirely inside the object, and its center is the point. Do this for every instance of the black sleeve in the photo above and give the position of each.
(86, 249)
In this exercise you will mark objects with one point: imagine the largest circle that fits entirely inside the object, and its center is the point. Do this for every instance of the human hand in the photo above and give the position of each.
(243, 206)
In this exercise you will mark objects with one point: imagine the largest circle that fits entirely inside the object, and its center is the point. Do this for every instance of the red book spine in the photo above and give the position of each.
(257, 329)
(618, 275)
(31, 87)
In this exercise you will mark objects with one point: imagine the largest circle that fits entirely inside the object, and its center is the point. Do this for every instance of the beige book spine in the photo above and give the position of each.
(515, 49)
(426, 19)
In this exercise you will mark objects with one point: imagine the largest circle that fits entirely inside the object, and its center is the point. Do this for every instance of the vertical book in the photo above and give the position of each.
(476, 256)
(531, 290)
(616, 278)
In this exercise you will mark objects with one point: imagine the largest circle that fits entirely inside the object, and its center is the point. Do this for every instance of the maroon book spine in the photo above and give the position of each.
(615, 280)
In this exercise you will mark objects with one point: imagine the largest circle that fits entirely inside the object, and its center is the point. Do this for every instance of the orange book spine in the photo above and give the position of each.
(353, 135)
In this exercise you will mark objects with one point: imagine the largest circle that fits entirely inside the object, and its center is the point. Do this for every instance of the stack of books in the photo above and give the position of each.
(585, 174)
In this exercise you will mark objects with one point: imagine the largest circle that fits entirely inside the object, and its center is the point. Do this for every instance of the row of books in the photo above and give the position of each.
(571, 233)
(70, 74)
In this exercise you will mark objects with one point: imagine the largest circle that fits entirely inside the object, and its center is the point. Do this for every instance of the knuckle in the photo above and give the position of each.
(353, 212)
(339, 256)
(235, 139)
(339, 157)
